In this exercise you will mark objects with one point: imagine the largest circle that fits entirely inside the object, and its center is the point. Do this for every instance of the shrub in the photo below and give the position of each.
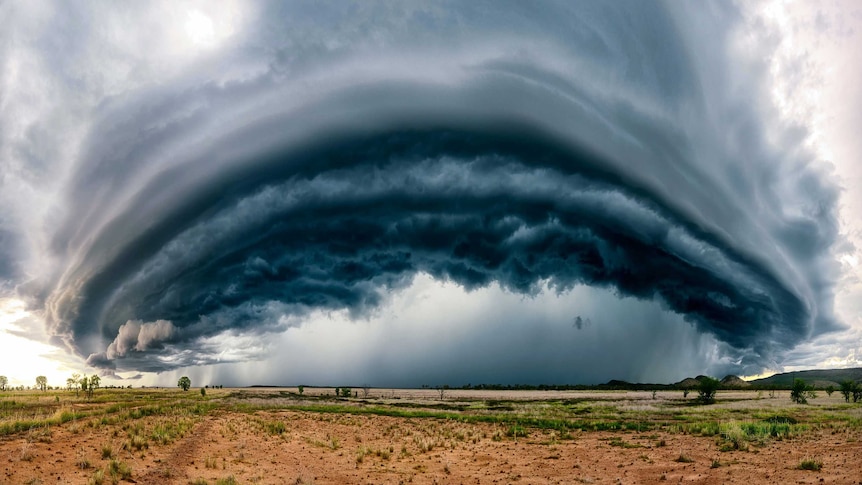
(346, 392)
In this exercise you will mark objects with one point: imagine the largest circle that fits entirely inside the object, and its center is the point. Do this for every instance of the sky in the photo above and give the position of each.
(405, 194)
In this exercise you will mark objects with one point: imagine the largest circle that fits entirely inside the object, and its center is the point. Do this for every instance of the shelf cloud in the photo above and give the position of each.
(325, 155)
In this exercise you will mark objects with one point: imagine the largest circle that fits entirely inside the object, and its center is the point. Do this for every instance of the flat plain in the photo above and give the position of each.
(277, 435)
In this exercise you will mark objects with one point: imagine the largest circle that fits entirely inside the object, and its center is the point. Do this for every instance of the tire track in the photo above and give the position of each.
(172, 468)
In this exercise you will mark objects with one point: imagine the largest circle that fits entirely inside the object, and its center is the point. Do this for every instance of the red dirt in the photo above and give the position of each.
(324, 448)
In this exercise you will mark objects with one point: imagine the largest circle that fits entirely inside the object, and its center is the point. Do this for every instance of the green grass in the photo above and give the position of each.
(275, 427)
(623, 444)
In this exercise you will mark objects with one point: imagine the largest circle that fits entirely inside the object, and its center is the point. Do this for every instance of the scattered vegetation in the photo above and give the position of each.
(138, 421)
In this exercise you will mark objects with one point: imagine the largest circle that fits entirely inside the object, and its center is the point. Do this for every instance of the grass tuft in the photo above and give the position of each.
(810, 464)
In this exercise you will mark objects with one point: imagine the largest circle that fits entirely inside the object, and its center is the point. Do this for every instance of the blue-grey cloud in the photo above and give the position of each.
(592, 144)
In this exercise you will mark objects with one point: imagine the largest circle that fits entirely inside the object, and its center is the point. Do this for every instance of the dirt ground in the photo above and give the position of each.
(342, 448)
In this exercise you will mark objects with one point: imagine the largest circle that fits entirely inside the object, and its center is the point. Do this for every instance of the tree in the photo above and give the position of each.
(848, 389)
(830, 389)
(42, 382)
(365, 391)
(76, 382)
(4, 381)
(185, 383)
(707, 389)
(801, 392)
(85, 385)
(301, 389)
(94, 384)
(346, 392)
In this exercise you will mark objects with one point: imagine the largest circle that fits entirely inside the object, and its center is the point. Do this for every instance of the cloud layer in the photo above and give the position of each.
(326, 155)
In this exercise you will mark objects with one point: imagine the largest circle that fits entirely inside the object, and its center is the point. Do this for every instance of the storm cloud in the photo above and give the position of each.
(330, 153)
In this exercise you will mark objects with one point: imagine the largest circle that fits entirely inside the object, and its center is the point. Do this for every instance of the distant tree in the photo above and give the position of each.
(346, 392)
(707, 389)
(85, 384)
(365, 391)
(93, 384)
(203, 392)
(301, 389)
(849, 389)
(830, 389)
(185, 383)
(76, 382)
(685, 393)
(4, 381)
(801, 392)
(41, 383)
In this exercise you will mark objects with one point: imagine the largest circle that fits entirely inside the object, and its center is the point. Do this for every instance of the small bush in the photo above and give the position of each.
(810, 464)
(683, 458)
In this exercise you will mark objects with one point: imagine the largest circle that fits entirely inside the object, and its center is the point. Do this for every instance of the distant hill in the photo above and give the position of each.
(688, 383)
(736, 382)
(818, 378)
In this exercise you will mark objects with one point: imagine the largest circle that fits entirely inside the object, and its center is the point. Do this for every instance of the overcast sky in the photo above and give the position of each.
(398, 194)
